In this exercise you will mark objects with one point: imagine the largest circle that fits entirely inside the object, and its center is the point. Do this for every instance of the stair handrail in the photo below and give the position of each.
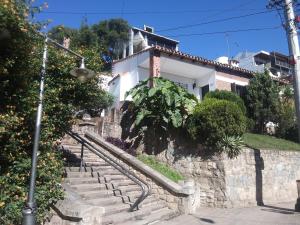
(116, 165)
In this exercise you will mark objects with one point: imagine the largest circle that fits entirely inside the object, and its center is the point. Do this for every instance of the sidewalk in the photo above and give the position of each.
(270, 214)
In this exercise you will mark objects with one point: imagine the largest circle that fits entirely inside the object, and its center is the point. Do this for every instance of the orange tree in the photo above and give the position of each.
(20, 62)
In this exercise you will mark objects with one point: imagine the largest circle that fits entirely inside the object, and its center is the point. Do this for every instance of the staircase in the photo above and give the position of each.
(101, 184)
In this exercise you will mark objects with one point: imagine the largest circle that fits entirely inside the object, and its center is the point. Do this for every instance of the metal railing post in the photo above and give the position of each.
(81, 156)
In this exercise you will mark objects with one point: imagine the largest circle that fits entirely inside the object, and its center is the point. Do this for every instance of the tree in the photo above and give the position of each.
(112, 34)
(287, 121)
(155, 112)
(20, 64)
(262, 98)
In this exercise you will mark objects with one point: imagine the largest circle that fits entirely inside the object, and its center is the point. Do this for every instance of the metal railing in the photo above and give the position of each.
(110, 160)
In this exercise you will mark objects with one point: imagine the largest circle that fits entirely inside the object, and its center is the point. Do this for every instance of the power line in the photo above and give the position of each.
(215, 21)
(226, 31)
(104, 12)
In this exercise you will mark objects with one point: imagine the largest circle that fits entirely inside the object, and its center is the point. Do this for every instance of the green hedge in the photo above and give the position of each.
(215, 119)
(229, 96)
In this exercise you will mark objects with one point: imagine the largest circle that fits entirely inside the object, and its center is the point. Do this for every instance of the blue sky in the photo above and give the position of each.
(166, 14)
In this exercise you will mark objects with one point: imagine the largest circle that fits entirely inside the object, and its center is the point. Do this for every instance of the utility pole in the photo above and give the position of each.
(294, 52)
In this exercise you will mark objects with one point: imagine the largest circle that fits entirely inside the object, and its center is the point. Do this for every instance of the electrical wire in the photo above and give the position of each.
(226, 31)
(216, 21)
(104, 12)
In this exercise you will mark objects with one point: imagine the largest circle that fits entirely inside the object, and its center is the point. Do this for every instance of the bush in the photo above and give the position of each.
(13, 192)
(214, 119)
(229, 96)
(231, 145)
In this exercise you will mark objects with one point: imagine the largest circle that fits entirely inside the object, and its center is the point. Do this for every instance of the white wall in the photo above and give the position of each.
(114, 89)
(129, 75)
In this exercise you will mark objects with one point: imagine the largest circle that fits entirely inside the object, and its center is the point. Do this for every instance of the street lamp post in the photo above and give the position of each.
(29, 211)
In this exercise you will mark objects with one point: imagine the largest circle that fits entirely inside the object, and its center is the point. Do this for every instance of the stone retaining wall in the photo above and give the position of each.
(254, 177)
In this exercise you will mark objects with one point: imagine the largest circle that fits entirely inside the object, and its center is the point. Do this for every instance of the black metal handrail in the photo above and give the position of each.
(116, 165)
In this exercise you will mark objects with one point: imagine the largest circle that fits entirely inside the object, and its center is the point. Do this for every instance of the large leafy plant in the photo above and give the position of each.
(155, 112)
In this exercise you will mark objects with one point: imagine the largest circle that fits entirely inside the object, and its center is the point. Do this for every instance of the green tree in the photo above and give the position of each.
(20, 64)
(112, 34)
(155, 112)
(262, 99)
(287, 121)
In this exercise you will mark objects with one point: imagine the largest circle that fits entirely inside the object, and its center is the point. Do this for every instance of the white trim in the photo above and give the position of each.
(229, 80)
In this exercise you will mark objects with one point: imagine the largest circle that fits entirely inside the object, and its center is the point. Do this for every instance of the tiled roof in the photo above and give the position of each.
(201, 60)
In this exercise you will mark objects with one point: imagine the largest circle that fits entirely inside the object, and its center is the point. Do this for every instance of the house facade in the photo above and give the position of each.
(150, 55)
(277, 64)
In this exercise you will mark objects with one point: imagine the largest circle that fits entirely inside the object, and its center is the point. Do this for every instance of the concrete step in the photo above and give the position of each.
(92, 187)
(80, 174)
(95, 193)
(129, 191)
(116, 177)
(84, 180)
(142, 214)
(95, 163)
(103, 172)
(121, 183)
(116, 208)
(161, 215)
(100, 201)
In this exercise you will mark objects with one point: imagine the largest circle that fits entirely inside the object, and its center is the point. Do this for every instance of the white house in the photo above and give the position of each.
(162, 59)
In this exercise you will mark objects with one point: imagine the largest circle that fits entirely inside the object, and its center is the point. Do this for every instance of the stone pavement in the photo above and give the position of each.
(270, 214)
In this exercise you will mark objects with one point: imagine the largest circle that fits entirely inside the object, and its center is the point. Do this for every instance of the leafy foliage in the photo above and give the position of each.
(215, 119)
(154, 112)
(13, 192)
(287, 120)
(108, 35)
(231, 145)
(227, 95)
(262, 100)
(20, 62)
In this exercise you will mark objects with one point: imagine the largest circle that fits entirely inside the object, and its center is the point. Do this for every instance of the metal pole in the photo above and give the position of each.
(81, 156)
(29, 211)
(294, 53)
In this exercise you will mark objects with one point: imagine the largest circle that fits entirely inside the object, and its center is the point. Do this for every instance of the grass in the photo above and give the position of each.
(160, 167)
(259, 141)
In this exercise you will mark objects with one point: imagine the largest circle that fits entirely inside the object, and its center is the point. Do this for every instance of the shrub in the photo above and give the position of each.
(229, 96)
(231, 145)
(13, 191)
(214, 119)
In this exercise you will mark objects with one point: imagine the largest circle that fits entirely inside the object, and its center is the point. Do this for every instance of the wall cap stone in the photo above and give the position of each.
(131, 160)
